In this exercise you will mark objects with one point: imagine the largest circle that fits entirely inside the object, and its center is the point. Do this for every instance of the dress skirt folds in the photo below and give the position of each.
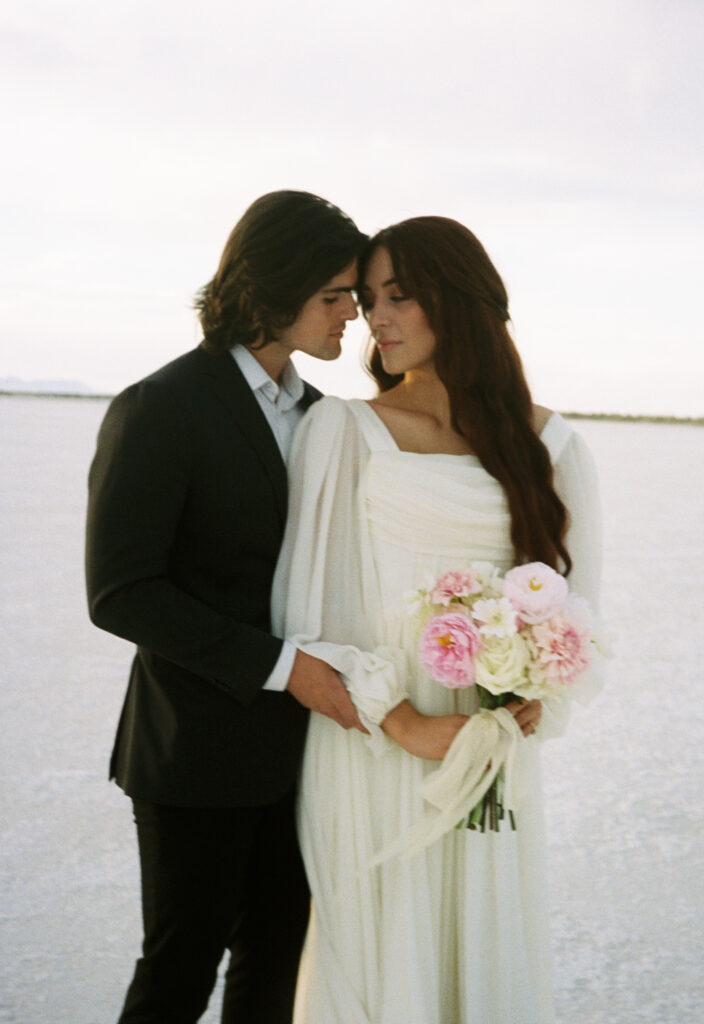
(458, 933)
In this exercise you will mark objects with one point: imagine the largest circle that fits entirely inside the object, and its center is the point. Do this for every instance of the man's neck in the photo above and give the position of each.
(272, 357)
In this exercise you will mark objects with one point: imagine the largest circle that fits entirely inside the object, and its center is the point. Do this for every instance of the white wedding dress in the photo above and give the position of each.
(457, 934)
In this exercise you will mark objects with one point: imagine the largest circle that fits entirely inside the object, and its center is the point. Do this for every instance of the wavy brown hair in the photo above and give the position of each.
(284, 248)
(443, 266)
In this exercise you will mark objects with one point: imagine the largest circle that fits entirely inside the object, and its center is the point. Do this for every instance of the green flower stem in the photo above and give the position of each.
(491, 805)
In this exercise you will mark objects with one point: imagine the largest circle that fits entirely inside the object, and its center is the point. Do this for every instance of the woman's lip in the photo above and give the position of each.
(386, 343)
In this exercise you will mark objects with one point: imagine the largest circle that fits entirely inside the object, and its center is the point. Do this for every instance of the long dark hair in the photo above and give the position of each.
(443, 266)
(284, 248)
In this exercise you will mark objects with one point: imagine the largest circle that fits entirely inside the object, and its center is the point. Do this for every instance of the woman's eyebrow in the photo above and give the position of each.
(384, 284)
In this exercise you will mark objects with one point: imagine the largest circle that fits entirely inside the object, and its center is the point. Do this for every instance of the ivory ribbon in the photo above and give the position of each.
(486, 743)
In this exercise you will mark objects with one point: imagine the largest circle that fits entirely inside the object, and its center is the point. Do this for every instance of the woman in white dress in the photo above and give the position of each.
(450, 464)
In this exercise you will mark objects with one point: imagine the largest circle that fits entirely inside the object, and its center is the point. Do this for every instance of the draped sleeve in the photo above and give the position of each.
(575, 481)
(325, 595)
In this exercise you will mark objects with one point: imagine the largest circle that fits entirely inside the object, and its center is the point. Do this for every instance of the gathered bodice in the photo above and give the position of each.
(444, 509)
(439, 505)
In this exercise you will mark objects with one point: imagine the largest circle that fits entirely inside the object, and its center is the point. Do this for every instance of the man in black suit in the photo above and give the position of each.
(187, 506)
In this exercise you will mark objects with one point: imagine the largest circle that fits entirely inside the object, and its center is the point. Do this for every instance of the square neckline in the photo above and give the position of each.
(381, 427)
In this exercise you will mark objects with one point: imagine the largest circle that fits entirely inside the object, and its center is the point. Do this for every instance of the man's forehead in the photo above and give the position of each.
(345, 281)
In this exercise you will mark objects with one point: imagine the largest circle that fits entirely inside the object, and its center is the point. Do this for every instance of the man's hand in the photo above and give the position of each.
(317, 686)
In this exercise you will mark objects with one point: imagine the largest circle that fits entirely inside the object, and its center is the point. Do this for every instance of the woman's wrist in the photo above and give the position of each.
(427, 737)
(399, 721)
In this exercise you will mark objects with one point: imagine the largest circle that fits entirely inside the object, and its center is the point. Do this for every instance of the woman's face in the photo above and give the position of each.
(399, 326)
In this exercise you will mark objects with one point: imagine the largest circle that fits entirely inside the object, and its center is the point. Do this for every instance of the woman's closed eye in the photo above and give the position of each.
(366, 304)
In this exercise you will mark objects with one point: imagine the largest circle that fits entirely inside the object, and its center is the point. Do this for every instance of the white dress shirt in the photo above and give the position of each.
(279, 403)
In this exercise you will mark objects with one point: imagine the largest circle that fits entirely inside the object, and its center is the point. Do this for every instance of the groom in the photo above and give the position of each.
(187, 506)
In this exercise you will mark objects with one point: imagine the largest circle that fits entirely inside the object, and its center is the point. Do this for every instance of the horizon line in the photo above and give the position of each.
(620, 417)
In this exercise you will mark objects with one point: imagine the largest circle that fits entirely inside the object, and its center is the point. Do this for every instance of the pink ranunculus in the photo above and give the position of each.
(535, 590)
(455, 584)
(563, 649)
(447, 647)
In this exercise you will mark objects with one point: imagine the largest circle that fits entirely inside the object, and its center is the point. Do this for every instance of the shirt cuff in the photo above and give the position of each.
(278, 680)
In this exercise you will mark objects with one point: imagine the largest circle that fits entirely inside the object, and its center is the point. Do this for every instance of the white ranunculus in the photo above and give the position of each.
(495, 616)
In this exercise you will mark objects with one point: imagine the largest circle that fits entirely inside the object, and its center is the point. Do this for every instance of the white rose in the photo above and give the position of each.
(501, 664)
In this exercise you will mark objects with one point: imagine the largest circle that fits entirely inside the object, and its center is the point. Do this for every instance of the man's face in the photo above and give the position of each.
(318, 328)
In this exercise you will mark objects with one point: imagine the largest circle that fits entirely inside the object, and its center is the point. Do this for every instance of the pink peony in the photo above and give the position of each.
(455, 584)
(535, 590)
(563, 650)
(447, 647)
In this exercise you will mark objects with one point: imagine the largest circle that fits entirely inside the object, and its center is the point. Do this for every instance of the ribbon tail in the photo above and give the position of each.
(485, 744)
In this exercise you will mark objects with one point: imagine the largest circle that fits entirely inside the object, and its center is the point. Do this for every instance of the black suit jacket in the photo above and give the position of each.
(187, 505)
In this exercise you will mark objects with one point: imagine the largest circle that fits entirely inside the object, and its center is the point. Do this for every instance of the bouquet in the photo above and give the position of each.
(521, 635)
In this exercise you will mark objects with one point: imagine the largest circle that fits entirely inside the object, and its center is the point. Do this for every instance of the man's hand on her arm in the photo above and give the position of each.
(317, 686)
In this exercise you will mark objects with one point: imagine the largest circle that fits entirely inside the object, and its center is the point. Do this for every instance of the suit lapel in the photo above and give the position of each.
(232, 390)
(310, 395)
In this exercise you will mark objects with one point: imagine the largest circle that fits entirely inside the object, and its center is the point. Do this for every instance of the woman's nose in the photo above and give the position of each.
(376, 316)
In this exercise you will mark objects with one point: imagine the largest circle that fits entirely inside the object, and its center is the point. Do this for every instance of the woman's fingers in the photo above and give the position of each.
(527, 715)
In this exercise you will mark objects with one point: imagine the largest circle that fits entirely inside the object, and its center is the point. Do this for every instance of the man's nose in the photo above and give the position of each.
(351, 311)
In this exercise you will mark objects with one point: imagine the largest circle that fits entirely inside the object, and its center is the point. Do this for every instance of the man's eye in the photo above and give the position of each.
(330, 301)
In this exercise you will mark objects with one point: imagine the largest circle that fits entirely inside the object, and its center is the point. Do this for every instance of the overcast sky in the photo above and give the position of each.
(567, 135)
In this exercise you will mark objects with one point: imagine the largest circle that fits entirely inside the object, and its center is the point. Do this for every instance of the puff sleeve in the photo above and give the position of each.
(325, 595)
(576, 483)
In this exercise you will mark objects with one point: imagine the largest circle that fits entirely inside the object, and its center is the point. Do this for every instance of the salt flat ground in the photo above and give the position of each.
(623, 788)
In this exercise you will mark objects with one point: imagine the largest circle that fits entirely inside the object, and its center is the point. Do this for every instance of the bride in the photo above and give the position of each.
(451, 463)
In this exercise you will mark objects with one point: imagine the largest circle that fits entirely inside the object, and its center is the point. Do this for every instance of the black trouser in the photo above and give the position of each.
(214, 879)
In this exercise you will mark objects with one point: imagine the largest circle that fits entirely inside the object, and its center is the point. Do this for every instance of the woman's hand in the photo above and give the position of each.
(427, 736)
(430, 736)
(527, 714)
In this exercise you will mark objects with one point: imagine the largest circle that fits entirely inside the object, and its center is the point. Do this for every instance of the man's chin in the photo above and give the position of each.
(330, 352)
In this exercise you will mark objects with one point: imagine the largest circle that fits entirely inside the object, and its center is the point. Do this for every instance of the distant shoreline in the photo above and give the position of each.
(12, 393)
(617, 417)
(622, 417)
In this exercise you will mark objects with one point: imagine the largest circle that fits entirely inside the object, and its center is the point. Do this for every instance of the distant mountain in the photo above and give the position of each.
(39, 387)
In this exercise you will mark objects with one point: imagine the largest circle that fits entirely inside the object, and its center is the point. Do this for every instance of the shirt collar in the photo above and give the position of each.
(284, 395)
